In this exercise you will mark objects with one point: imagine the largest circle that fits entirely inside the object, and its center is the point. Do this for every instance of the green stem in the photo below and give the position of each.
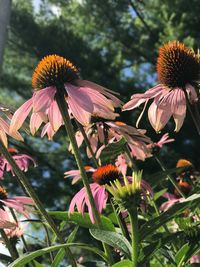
(169, 176)
(87, 142)
(134, 231)
(121, 222)
(11, 248)
(69, 128)
(23, 181)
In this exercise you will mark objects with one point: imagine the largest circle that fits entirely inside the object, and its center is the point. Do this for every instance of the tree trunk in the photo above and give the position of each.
(5, 7)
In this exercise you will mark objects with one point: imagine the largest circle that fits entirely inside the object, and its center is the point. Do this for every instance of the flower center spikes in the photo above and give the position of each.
(3, 193)
(53, 70)
(177, 65)
(106, 174)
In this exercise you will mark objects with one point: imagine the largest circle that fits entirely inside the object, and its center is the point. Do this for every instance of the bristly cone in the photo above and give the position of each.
(53, 70)
(177, 65)
(106, 174)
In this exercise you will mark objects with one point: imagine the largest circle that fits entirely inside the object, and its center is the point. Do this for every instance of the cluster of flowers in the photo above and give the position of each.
(93, 108)
(8, 220)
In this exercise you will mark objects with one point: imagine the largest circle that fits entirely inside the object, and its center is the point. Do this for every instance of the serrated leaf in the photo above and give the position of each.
(112, 150)
(82, 220)
(124, 263)
(114, 240)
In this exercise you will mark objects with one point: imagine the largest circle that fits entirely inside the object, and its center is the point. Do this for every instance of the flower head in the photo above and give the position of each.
(177, 65)
(178, 69)
(53, 70)
(22, 160)
(12, 228)
(20, 204)
(131, 192)
(82, 203)
(106, 174)
(83, 98)
(109, 132)
(101, 176)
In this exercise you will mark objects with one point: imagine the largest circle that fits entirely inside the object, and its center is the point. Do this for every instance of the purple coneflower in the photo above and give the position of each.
(108, 132)
(53, 75)
(22, 160)
(178, 70)
(20, 204)
(102, 176)
(9, 225)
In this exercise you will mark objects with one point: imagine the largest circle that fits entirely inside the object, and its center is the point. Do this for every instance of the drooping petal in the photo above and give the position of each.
(43, 98)
(35, 122)
(55, 117)
(47, 129)
(178, 108)
(80, 96)
(20, 115)
(80, 114)
(102, 90)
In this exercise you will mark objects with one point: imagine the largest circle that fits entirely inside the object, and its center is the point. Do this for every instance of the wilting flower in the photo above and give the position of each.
(102, 176)
(178, 69)
(109, 132)
(9, 225)
(55, 76)
(20, 204)
(131, 192)
(22, 160)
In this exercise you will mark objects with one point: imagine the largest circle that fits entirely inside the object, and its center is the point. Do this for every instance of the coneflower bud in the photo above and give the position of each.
(128, 194)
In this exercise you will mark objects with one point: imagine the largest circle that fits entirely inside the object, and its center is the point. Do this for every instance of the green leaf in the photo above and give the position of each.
(124, 263)
(112, 150)
(159, 194)
(27, 257)
(159, 241)
(61, 253)
(82, 220)
(93, 264)
(180, 255)
(5, 258)
(149, 227)
(114, 240)
(37, 264)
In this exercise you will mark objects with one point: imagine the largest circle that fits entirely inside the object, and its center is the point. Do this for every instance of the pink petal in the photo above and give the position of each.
(80, 96)
(20, 115)
(55, 117)
(43, 98)
(80, 114)
(35, 123)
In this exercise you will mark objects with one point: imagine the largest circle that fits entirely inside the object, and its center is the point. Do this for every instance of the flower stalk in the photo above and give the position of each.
(11, 248)
(169, 176)
(60, 99)
(23, 181)
(133, 215)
